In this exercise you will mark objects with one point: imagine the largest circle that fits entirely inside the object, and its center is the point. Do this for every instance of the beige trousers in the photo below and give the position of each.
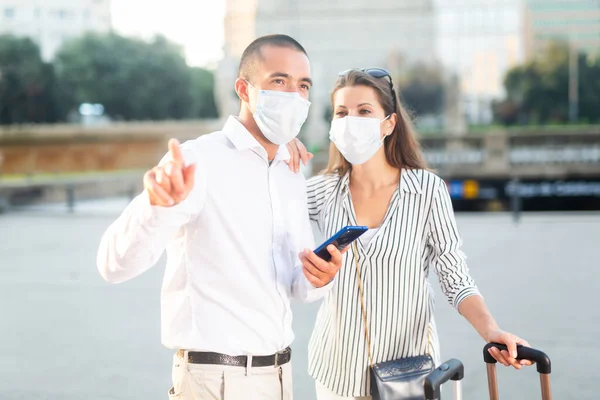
(223, 382)
(325, 394)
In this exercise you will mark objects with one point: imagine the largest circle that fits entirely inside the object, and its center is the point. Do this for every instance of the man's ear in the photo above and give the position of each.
(241, 88)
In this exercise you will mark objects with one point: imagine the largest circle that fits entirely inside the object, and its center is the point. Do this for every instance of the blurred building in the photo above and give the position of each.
(337, 35)
(50, 23)
(574, 21)
(476, 42)
(479, 41)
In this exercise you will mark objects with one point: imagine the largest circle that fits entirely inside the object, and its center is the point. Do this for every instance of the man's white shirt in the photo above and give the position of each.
(232, 248)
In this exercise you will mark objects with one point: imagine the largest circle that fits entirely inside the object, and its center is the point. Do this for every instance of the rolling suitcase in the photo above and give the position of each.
(453, 370)
(523, 353)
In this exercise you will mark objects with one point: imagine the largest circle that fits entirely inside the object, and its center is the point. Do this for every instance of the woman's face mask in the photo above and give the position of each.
(357, 138)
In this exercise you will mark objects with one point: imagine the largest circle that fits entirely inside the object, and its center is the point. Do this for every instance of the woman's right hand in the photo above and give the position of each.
(297, 152)
(511, 341)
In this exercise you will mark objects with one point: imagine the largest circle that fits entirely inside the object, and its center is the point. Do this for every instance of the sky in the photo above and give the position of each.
(197, 25)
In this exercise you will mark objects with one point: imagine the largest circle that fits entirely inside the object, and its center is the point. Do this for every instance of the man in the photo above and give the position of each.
(233, 219)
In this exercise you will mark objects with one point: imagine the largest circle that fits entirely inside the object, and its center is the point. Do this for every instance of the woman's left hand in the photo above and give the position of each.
(507, 357)
(298, 152)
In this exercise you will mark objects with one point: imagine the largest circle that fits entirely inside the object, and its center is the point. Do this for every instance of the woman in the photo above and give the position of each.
(377, 177)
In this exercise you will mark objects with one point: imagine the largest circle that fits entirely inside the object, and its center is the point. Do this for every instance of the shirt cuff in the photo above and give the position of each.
(312, 293)
(154, 215)
(464, 293)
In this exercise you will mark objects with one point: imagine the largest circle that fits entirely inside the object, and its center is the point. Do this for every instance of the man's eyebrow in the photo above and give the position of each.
(288, 76)
(307, 80)
(279, 75)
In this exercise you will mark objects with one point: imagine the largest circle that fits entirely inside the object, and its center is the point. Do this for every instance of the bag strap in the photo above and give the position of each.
(362, 303)
(364, 310)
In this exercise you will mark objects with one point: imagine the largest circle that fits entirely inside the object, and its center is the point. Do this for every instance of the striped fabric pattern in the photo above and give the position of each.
(418, 233)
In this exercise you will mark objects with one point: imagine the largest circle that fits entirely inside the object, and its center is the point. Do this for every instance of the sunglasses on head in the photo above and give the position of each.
(375, 73)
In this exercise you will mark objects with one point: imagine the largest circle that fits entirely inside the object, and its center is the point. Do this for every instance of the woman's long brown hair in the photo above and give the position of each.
(402, 150)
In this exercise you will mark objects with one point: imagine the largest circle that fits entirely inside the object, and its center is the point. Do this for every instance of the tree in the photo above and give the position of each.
(589, 84)
(202, 92)
(27, 83)
(132, 79)
(538, 91)
(422, 89)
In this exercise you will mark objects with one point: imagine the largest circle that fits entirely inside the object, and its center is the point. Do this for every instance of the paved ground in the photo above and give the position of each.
(69, 335)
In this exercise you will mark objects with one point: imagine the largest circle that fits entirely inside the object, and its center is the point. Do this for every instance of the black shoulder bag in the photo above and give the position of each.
(400, 379)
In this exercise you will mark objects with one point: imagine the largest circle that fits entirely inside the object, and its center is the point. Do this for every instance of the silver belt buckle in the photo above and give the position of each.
(280, 353)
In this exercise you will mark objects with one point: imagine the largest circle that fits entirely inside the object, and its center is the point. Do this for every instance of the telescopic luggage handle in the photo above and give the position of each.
(452, 369)
(523, 353)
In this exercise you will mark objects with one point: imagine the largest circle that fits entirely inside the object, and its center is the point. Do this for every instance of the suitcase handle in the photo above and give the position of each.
(452, 369)
(523, 353)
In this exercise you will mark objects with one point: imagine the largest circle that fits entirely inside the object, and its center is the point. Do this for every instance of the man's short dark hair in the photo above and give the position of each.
(252, 55)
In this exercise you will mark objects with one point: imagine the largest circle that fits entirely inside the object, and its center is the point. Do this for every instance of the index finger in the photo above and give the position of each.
(295, 158)
(317, 261)
(175, 151)
(511, 345)
(303, 152)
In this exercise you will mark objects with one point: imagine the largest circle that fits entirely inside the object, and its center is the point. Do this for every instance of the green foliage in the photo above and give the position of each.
(27, 84)
(422, 89)
(202, 93)
(133, 80)
(538, 91)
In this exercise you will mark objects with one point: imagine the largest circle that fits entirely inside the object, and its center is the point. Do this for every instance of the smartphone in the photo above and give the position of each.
(340, 240)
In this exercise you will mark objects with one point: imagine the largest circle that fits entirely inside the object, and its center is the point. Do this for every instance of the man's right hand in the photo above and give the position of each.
(171, 182)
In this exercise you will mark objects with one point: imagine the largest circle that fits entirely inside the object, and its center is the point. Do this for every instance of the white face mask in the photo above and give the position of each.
(280, 115)
(357, 138)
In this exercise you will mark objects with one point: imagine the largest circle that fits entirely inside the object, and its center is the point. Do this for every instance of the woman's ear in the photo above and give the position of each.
(390, 124)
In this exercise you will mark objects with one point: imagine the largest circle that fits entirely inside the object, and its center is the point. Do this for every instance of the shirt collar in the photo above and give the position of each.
(242, 139)
(410, 182)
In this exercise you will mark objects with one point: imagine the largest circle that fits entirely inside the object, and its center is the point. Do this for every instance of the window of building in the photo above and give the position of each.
(9, 12)
(587, 5)
(559, 22)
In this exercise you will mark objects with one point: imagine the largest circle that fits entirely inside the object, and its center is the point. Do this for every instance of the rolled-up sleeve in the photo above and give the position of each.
(448, 259)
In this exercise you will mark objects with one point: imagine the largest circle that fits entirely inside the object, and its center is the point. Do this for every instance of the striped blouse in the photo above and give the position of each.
(418, 233)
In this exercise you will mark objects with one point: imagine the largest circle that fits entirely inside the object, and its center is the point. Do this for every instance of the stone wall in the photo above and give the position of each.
(71, 148)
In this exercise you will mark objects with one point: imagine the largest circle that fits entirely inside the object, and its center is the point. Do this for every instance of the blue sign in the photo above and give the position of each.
(456, 189)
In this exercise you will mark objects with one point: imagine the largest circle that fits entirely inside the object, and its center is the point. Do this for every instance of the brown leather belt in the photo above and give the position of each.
(274, 360)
